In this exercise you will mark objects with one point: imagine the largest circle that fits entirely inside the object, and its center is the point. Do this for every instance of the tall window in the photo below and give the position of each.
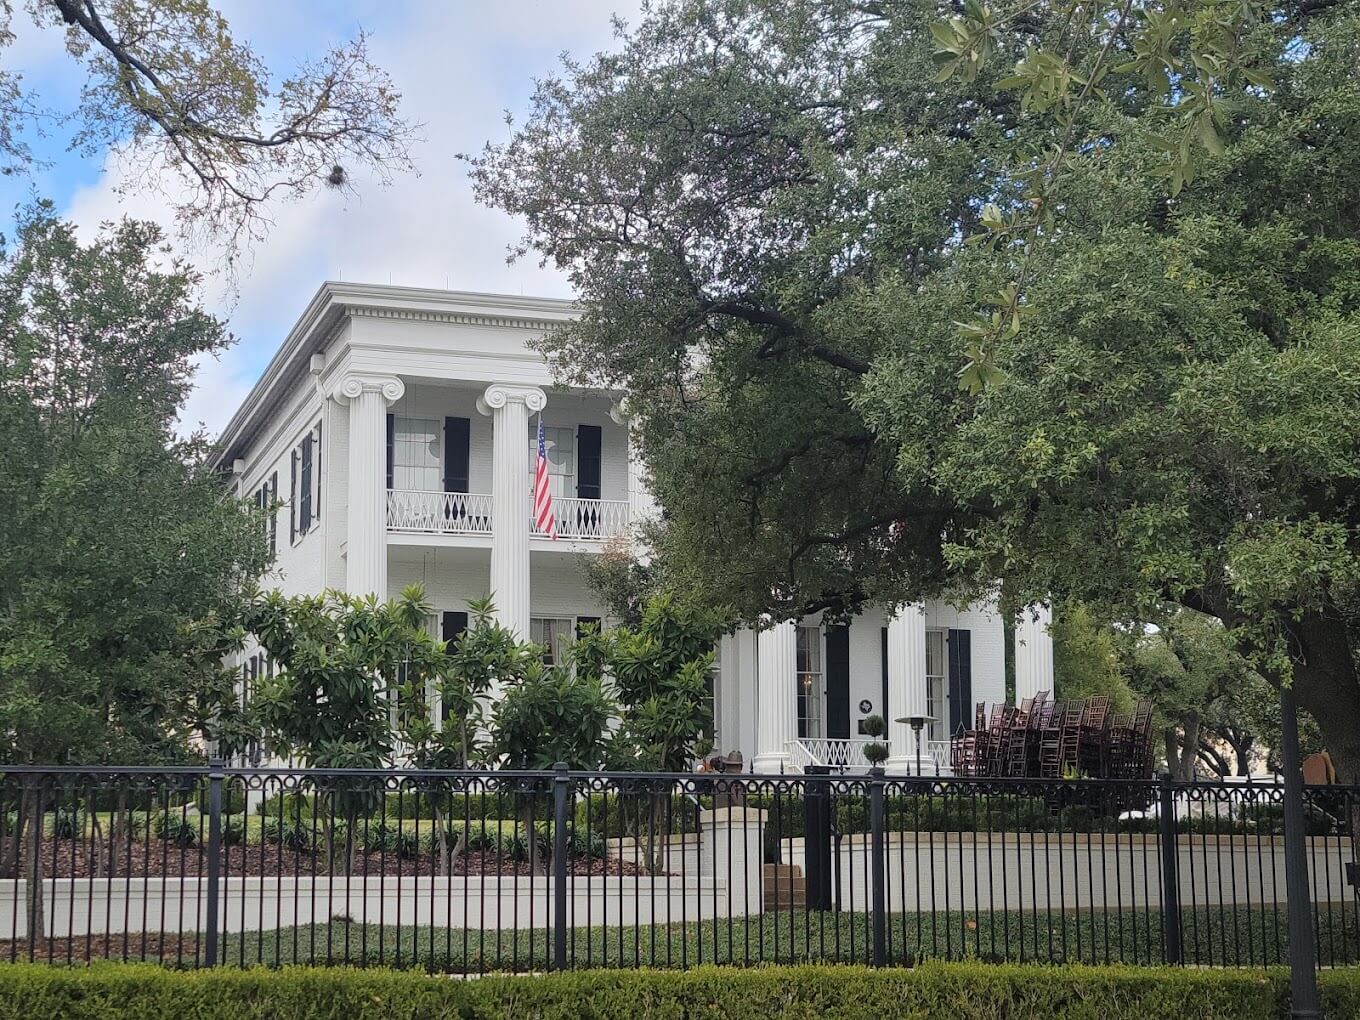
(810, 681)
(936, 673)
(560, 447)
(555, 635)
(415, 454)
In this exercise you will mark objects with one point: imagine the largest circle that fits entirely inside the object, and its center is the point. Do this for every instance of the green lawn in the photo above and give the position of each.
(1250, 938)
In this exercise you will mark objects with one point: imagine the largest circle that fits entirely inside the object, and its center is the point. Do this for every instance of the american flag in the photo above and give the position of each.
(544, 517)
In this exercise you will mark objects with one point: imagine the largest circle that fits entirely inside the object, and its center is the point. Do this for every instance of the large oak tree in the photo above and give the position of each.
(766, 210)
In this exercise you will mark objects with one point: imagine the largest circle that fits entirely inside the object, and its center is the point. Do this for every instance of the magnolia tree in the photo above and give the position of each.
(352, 674)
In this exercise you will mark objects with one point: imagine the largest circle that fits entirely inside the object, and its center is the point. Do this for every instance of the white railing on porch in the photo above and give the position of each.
(589, 519)
(441, 513)
(837, 753)
(849, 755)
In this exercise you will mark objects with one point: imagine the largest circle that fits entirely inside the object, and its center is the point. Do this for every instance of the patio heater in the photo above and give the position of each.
(917, 723)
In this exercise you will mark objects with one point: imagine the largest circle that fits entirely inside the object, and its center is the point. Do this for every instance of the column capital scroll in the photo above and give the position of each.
(352, 385)
(497, 395)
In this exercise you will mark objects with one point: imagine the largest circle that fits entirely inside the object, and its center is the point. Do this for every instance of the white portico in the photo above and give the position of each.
(395, 430)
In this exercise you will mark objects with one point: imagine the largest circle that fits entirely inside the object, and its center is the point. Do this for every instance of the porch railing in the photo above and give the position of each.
(440, 513)
(589, 519)
(836, 753)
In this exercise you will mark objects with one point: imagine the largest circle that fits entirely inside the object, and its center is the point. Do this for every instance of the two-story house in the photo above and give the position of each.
(395, 430)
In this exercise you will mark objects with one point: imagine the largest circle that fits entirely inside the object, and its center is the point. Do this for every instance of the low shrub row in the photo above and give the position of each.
(407, 841)
(929, 992)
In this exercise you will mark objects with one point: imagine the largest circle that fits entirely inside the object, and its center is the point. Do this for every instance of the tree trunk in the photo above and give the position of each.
(119, 827)
(531, 838)
(34, 912)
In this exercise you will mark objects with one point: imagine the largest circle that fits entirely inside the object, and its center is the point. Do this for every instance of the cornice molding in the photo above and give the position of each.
(450, 318)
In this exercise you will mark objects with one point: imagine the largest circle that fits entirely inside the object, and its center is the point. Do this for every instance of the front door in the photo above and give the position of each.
(838, 682)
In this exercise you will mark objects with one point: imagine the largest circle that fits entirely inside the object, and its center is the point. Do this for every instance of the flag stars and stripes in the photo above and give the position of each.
(544, 518)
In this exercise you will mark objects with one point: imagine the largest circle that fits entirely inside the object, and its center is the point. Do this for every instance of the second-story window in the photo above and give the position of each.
(304, 484)
(560, 447)
(415, 454)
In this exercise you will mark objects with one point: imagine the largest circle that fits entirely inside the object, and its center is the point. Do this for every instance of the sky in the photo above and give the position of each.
(460, 66)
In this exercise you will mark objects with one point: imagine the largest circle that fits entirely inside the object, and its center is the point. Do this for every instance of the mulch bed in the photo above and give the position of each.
(167, 947)
(73, 859)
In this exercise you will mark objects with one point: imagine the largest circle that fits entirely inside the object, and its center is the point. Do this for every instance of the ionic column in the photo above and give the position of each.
(368, 398)
(509, 407)
(1033, 652)
(906, 685)
(776, 696)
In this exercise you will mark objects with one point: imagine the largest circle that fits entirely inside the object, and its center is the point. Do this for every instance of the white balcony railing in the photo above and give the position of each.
(589, 519)
(463, 513)
(439, 513)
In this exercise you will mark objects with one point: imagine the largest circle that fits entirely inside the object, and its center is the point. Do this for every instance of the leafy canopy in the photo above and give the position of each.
(764, 208)
(122, 566)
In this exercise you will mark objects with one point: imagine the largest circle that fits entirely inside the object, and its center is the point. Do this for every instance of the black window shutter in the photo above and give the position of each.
(305, 486)
(292, 496)
(457, 437)
(273, 513)
(883, 660)
(450, 626)
(588, 461)
(838, 682)
(316, 473)
(391, 445)
(960, 679)
(587, 622)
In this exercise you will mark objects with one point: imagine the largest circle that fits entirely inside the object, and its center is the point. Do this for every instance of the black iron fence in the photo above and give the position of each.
(474, 872)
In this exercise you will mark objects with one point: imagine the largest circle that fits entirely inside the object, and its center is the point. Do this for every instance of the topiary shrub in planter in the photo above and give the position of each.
(875, 752)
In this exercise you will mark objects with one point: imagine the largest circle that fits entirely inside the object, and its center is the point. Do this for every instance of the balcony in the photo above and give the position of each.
(424, 512)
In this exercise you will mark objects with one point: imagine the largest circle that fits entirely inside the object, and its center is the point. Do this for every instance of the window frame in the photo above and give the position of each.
(804, 682)
(937, 700)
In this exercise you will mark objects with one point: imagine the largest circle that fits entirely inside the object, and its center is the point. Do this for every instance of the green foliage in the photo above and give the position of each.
(931, 991)
(551, 715)
(174, 827)
(343, 660)
(1159, 392)
(1193, 673)
(1086, 658)
(661, 672)
(121, 562)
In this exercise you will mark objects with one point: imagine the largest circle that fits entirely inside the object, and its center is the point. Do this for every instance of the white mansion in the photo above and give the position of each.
(396, 428)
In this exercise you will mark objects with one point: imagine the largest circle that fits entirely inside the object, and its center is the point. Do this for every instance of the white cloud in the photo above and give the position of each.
(459, 67)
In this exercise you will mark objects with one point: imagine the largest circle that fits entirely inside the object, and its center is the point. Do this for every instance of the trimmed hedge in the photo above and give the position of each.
(943, 991)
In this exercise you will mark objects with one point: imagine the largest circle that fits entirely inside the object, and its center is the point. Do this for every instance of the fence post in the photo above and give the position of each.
(1303, 992)
(561, 788)
(215, 777)
(878, 854)
(1171, 883)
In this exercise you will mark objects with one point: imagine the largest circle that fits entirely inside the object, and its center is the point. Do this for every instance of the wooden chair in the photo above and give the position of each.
(1050, 742)
(1069, 737)
(1093, 753)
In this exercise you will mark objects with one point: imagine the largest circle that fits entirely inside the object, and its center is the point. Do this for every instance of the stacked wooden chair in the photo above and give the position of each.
(1051, 740)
